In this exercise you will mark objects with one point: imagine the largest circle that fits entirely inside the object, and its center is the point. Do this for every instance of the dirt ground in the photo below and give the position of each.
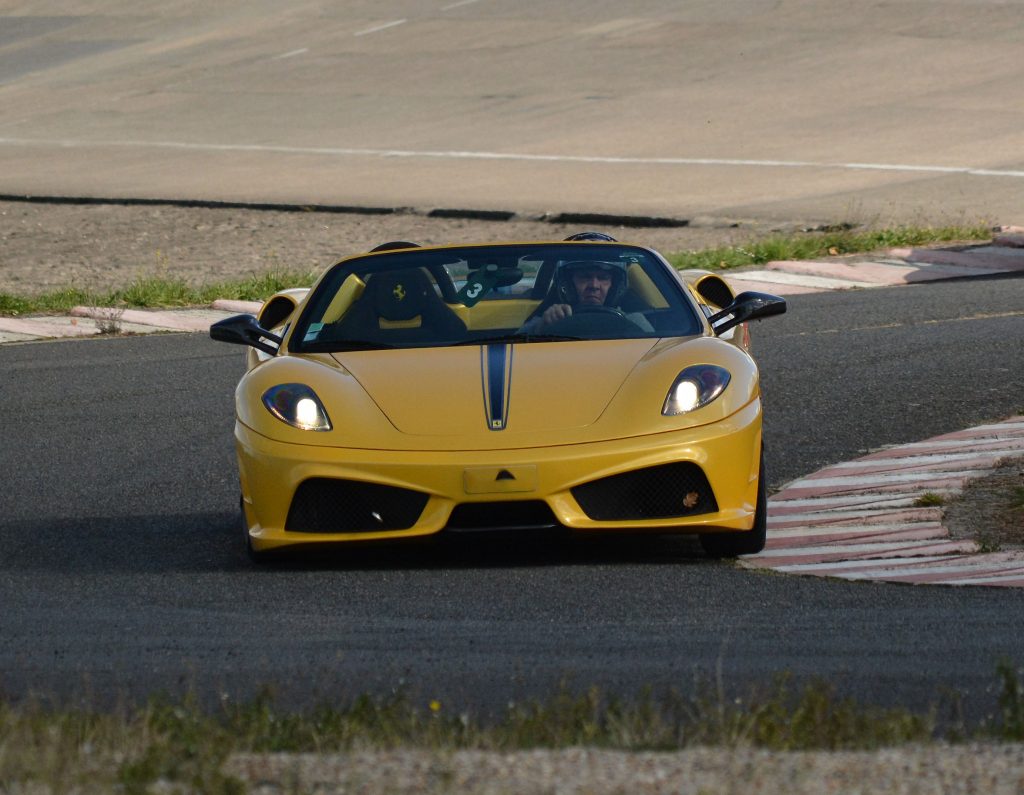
(991, 509)
(101, 246)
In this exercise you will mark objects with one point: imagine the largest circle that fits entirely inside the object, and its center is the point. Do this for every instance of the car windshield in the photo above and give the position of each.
(473, 295)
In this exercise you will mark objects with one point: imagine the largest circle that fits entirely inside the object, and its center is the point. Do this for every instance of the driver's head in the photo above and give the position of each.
(591, 283)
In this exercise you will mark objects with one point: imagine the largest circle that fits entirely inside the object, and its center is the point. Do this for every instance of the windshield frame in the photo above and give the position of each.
(434, 257)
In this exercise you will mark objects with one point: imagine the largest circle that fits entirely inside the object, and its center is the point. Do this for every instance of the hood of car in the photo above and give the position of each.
(519, 390)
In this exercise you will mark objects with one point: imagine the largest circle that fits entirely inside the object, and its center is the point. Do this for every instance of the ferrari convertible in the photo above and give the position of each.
(583, 384)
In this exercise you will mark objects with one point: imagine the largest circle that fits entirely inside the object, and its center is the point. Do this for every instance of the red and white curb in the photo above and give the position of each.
(861, 520)
(91, 321)
(1005, 254)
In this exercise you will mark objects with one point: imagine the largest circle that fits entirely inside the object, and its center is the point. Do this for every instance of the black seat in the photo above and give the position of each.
(400, 307)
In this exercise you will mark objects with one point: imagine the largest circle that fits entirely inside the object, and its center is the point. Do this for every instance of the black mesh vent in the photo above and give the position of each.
(714, 290)
(661, 492)
(328, 505)
(501, 515)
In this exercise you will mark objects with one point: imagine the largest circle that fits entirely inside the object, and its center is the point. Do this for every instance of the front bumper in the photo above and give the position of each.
(727, 452)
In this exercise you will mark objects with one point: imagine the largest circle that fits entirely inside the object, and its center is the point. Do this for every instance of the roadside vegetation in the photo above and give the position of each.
(831, 242)
(166, 293)
(157, 293)
(181, 746)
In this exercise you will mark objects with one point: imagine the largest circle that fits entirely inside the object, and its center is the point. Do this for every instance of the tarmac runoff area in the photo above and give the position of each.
(857, 520)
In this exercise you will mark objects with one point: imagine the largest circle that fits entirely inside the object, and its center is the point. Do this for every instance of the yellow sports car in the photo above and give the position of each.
(582, 384)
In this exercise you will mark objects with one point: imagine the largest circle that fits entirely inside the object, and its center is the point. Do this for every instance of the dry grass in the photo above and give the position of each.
(181, 746)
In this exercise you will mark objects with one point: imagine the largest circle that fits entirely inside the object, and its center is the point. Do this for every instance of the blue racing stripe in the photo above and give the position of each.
(496, 362)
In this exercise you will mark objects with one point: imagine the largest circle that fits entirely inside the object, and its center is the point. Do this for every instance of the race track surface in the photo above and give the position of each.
(123, 571)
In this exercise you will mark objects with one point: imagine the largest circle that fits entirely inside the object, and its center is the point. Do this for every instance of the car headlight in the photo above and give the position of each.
(695, 387)
(297, 405)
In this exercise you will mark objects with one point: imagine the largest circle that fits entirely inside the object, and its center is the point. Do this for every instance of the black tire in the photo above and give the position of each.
(749, 542)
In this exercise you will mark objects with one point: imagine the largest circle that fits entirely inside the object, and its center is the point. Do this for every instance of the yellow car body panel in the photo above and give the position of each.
(411, 400)
(728, 452)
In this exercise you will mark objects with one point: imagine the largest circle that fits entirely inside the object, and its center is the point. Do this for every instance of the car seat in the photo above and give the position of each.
(401, 307)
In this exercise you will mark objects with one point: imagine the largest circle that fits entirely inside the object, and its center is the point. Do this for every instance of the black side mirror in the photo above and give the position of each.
(245, 330)
(744, 307)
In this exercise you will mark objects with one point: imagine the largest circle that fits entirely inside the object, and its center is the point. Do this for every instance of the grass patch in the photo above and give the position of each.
(167, 293)
(182, 746)
(1017, 499)
(158, 293)
(833, 243)
(929, 500)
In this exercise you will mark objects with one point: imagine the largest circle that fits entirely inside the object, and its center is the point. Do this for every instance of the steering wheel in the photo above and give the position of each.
(599, 309)
(595, 322)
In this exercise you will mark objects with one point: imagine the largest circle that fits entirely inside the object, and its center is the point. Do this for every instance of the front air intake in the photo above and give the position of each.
(506, 515)
(330, 505)
(667, 491)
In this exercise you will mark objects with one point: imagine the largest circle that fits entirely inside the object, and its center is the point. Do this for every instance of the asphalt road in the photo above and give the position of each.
(122, 571)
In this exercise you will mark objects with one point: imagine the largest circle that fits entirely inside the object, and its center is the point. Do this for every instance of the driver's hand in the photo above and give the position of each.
(556, 312)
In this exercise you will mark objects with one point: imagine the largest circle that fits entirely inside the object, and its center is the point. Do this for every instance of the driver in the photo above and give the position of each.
(581, 284)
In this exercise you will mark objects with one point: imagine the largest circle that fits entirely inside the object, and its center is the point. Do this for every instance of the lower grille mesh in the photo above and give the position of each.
(516, 515)
(330, 505)
(661, 492)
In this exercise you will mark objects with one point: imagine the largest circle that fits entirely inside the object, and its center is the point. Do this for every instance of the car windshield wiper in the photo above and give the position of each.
(550, 338)
(343, 346)
(489, 340)
(517, 338)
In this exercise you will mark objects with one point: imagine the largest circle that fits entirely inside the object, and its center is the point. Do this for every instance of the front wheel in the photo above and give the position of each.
(748, 542)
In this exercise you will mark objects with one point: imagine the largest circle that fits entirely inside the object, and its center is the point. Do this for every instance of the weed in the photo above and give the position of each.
(1017, 498)
(929, 499)
(1010, 725)
(109, 321)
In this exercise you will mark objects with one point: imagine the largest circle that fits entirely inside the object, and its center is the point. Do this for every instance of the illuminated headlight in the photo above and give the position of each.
(695, 387)
(297, 405)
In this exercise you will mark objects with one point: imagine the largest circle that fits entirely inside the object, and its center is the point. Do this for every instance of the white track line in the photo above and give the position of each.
(932, 461)
(881, 479)
(378, 28)
(513, 156)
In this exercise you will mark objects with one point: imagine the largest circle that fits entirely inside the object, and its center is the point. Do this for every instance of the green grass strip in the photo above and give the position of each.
(826, 244)
(158, 293)
(168, 293)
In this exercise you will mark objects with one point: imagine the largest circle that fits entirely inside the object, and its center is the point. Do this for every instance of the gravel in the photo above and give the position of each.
(106, 246)
(938, 769)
